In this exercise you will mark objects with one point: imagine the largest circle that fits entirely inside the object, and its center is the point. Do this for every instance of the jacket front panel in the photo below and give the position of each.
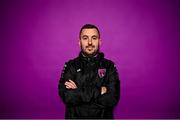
(89, 75)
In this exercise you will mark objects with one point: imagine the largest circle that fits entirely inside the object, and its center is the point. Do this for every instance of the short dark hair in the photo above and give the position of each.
(88, 26)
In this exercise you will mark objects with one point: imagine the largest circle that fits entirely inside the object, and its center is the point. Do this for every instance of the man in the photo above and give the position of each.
(89, 84)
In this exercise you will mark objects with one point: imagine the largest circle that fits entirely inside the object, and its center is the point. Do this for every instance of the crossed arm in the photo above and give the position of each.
(106, 96)
(71, 85)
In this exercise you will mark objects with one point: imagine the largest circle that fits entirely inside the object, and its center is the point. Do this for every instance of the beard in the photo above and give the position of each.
(87, 54)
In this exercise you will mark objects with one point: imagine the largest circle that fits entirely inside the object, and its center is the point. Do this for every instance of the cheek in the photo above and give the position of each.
(83, 45)
(96, 43)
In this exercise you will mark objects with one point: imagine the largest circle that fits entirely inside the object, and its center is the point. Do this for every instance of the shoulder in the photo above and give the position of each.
(111, 67)
(72, 62)
(108, 62)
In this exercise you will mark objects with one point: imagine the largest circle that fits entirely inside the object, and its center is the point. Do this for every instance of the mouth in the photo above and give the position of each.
(90, 48)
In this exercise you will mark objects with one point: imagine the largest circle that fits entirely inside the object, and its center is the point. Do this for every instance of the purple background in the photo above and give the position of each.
(140, 36)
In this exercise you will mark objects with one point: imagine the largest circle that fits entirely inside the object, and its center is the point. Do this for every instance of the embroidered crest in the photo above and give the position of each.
(101, 72)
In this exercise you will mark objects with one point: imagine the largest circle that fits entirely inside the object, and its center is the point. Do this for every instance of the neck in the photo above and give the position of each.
(89, 55)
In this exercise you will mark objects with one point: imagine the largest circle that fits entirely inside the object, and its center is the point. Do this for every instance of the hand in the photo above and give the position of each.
(103, 90)
(70, 84)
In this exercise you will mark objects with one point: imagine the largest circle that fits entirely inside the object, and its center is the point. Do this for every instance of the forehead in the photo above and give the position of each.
(89, 32)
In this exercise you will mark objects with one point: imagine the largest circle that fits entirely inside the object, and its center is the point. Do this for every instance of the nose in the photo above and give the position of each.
(89, 41)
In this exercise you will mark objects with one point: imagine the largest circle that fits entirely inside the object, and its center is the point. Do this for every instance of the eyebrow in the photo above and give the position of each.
(88, 36)
(84, 36)
(94, 36)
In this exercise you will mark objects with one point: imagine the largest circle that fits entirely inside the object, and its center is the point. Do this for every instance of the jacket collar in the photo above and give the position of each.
(98, 56)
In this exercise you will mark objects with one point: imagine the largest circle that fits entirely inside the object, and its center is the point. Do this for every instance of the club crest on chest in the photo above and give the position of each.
(102, 72)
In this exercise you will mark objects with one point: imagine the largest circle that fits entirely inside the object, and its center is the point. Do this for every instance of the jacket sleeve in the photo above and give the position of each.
(112, 83)
(78, 95)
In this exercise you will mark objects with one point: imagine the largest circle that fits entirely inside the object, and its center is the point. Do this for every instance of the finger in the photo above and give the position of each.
(73, 83)
(68, 87)
(74, 86)
(69, 84)
(103, 90)
(66, 83)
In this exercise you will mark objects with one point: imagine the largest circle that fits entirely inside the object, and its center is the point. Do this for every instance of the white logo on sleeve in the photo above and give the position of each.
(78, 70)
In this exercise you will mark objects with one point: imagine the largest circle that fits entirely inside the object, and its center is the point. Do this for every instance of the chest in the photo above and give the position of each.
(90, 74)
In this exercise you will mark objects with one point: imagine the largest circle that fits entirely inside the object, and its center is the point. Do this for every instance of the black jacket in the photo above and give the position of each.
(89, 74)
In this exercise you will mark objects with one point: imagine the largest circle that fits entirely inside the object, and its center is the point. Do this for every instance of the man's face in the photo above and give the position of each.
(89, 41)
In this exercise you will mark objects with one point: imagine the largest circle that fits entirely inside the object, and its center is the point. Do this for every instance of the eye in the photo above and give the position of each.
(85, 38)
(94, 38)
